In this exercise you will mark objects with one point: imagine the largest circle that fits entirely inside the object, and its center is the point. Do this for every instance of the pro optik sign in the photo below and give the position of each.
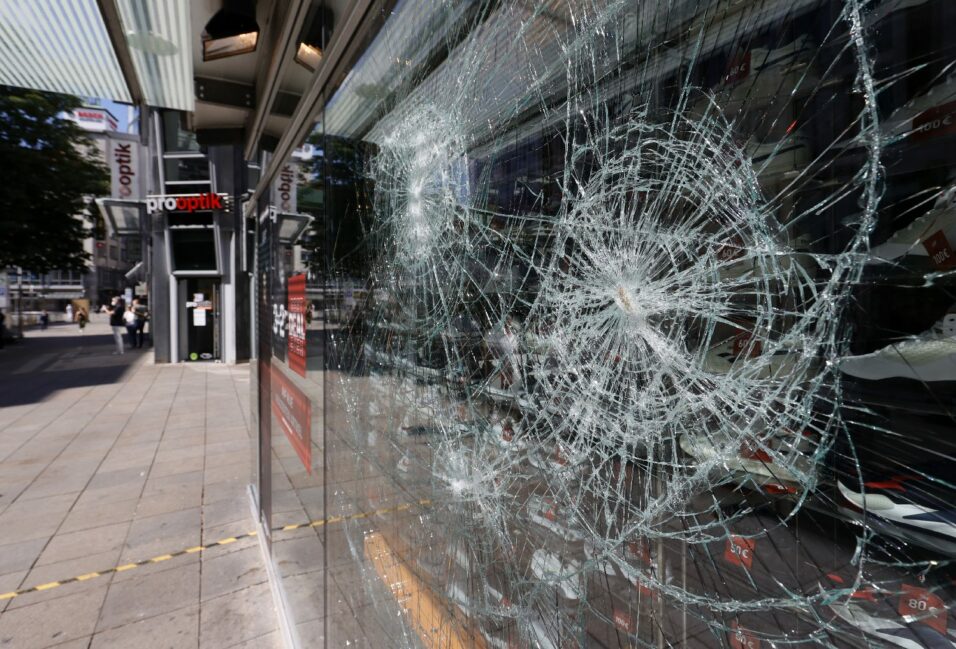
(185, 203)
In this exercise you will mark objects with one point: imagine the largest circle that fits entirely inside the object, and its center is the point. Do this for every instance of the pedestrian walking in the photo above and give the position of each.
(44, 319)
(69, 313)
(129, 320)
(142, 315)
(81, 319)
(118, 324)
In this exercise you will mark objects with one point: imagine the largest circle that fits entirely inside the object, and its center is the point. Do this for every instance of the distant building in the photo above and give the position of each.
(110, 259)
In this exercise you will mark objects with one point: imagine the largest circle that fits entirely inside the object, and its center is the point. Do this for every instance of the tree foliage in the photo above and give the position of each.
(48, 176)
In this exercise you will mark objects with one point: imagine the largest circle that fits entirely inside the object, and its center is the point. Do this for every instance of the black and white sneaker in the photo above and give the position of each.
(918, 501)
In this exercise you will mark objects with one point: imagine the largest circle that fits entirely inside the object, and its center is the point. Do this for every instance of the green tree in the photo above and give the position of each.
(48, 176)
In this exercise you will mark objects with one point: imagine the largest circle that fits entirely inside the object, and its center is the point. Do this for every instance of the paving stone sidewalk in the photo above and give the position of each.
(107, 460)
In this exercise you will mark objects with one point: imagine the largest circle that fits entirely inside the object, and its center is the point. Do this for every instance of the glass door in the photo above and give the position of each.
(202, 316)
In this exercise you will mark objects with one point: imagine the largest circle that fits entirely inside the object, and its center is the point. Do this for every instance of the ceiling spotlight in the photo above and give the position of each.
(231, 31)
(314, 38)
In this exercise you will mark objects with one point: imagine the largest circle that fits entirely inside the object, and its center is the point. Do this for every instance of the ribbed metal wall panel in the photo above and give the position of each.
(166, 78)
(59, 46)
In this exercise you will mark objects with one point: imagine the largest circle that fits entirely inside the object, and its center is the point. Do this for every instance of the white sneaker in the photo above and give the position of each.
(763, 467)
(931, 356)
(738, 351)
(565, 574)
(928, 236)
(787, 155)
(927, 116)
(761, 76)
(886, 9)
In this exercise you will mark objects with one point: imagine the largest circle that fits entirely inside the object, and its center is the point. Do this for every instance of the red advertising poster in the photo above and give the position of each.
(294, 411)
(296, 322)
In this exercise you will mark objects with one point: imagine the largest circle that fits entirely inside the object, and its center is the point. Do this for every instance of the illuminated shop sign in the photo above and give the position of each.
(124, 160)
(94, 119)
(185, 202)
(285, 188)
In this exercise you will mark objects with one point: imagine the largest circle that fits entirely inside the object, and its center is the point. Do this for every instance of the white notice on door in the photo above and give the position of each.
(198, 297)
(199, 317)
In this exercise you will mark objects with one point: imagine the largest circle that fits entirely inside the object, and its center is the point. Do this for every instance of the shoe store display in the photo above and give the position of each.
(919, 501)
(930, 356)
(928, 236)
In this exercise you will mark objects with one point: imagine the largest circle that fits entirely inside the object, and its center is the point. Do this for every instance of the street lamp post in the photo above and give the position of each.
(19, 302)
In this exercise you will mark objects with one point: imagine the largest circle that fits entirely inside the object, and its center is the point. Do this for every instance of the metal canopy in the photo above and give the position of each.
(60, 46)
(79, 47)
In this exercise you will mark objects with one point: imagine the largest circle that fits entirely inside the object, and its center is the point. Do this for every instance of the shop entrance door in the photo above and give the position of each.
(201, 309)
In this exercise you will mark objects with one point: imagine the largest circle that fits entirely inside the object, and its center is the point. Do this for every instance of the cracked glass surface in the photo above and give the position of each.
(637, 323)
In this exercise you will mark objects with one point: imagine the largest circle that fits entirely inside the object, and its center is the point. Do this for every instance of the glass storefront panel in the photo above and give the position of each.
(619, 324)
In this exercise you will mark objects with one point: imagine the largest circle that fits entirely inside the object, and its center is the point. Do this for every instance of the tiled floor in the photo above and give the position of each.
(106, 460)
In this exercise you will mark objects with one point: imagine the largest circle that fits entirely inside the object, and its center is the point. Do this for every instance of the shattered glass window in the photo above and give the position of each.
(637, 325)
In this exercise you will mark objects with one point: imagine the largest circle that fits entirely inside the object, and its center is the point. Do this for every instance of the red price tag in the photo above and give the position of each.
(924, 606)
(733, 249)
(742, 343)
(741, 638)
(639, 551)
(739, 68)
(623, 621)
(751, 451)
(940, 120)
(939, 250)
(740, 551)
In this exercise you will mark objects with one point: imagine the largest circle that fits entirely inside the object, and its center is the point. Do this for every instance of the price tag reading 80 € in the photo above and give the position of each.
(920, 605)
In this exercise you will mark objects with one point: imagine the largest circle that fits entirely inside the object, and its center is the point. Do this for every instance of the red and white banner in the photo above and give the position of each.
(294, 411)
(296, 324)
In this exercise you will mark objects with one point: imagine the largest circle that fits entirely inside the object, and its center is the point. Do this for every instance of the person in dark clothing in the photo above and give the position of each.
(44, 319)
(117, 323)
(3, 329)
(142, 315)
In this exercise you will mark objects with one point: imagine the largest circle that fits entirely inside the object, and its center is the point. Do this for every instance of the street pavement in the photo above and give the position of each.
(107, 461)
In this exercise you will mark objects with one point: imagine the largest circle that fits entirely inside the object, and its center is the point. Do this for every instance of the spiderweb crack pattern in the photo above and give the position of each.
(598, 374)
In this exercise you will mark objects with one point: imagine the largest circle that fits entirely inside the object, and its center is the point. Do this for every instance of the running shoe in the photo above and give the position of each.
(564, 574)
(928, 236)
(926, 116)
(548, 515)
(930, 356)
(887, 9)
(779, 465)
(918, 501)
(910, 627)
(760, 75)
(734, 353)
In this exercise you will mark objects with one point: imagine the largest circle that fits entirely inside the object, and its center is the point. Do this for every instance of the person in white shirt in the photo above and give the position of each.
(129, 319)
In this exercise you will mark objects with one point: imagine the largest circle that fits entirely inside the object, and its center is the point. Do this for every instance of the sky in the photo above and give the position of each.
(124, 113)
